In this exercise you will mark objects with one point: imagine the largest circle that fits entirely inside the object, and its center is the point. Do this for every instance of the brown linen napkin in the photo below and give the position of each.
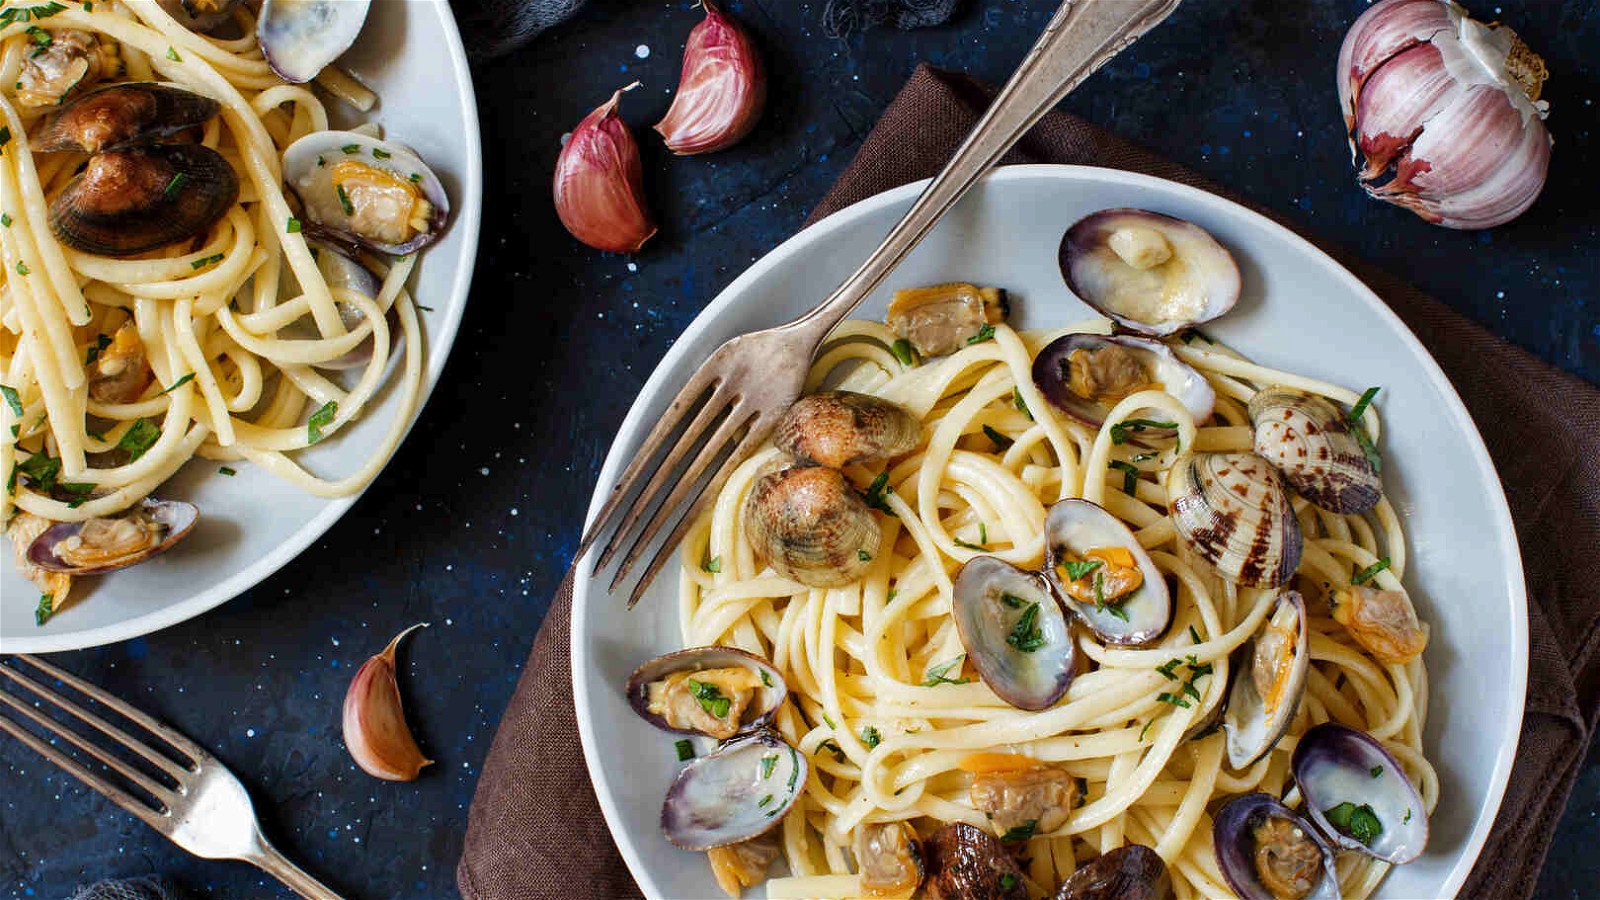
(535, 830)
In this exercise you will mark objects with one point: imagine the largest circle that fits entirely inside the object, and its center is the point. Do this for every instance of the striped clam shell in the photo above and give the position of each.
(1309, 442)
(1233, 511)
(843, 428)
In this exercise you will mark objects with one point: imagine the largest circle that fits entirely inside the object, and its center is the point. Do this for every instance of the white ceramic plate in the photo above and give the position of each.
(253, 524)
(1300, 311)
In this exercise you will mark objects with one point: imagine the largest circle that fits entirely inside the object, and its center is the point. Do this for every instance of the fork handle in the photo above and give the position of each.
(267, 858)
(1081, 37)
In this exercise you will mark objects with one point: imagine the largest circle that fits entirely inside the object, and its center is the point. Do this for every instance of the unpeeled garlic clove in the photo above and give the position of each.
(375, 730)
(721, 90)
(599, 183)
(1450, 106)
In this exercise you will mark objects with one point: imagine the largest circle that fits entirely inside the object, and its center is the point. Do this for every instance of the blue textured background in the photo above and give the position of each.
(473, 523)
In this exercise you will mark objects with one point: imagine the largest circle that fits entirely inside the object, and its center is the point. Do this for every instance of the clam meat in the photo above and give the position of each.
(1014, 632)
(1130, 872)
(745, 864)
(1231, 509)
(108, 543)
(1384, 623)
(1107, 579)
(843, 428)
(943, 318)
(967, 863)
(889, 857)
(366, 192)
(1085, 375)
(24, 528)
(1267, 680)
(1309, 442)
(1020, 795)
(715, 691)
(201, 16)
(1151, 273)
(738, 792)
(300, 38)
(811, 525)
(121, 372)
(1357, 794)
(1268, 852)
(69, 62)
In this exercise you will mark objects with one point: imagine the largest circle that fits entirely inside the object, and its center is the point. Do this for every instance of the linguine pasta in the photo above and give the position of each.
(884, 704)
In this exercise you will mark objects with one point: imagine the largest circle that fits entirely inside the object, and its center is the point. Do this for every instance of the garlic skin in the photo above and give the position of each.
(721, 90)
(1450, 106)
(599, 183)
(375, 730)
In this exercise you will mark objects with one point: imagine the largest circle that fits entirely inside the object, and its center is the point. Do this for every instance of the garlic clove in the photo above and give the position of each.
(1385, 29)
(721, 90)
(375, 730)
(1397, 101)
(599, 183)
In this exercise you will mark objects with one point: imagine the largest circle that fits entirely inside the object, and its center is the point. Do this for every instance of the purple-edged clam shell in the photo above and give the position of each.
(174, 518)
(1198, 283)
(738, 792)
(1028, 667)
(1335, 764)
(300, 38)
(1130, 872)
(1078, 526)
(757, 714)
(1252, 728)
(1234, 843)
(308, 168)
(1052, 374)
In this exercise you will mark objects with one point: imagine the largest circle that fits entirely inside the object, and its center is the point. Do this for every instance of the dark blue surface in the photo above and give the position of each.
(473, 523)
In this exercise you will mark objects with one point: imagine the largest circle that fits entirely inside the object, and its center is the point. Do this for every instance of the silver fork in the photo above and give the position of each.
(190, 797)
(733, 401)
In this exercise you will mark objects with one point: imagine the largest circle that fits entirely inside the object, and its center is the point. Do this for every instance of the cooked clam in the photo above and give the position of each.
(1014, 632)
(1085, 375)
(943, 318)
(967, 863)
(120, 373)
(1384, 623)
(23, 529)
(745, 864)
(1130, 872)
(1267, 852)
(202, 16)
(738, 792)
(1021, 796)
(139, 198)
(71, 61)
(1358, 795)
(1106, 577)
(300, 38)
(889, 858)
(1232, 510)
(115, 542)
(716, 691)
(842, 428)
(1311, 444)
(135, 112)
(1267, 681)
(360, 190)
(809, 524)
(1151, 273)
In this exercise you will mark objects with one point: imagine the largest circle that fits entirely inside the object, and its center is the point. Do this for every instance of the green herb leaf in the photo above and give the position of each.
(350, 149)
(1360, 408)
(5, 219)
(1119, 431)
(764, 801)
(172, 54)
(978, 547)
(41, 470)
(77, 492)
(1189, 688)
(13, 399)
(1130, 476)
(1025, 634)
(829, 720)
(320, 420)
(937, 675)
(293, 227)
(863, 556)
(877, 490)
(179, 383)
(714, 565)
(1145, 729)
(1167, 667)
(1376, 771)
(1000, 441)
(228, 471)
(765, 678)
(1359, 822)
(685, 750)
(710, 698)
(175, 185)
(1370, 572)
(870, 737)
(985, 333)
(45, 609)
(767, 762)
(202, 263)
(1077, 570)
(983, 534)
(1020, 832)
(5, 130)
(344, 200)
(1020, 404)
(1407, 819)
(22, 268)
(1007, 881)
(1012, 600)
(1175, 700)
(101, 342)
(139, 437)
(903, 352)
(380, 153)
(833, 747)
(1194, 635)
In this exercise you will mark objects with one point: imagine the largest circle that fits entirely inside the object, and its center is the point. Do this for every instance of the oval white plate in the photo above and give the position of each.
(253, 524)
(1300, 311)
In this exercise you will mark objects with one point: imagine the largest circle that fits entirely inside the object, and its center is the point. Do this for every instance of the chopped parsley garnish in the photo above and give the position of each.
(1189, 688)
(876, 491)
(903, 352)
(380, 153)
(983, 534)
(415, 178)
(970, 546)
(344, 200)
(293, 227)
(350, 149)
(77, 491)
(172, 54)
(1001, 442)
(1007, 881)
(5, 130)
(1167, 667)
(870, 737)
(1174, 699)
(937, 675)
(765, 678)
(864, 556)
(1012, 600)
(140, 436)
(711, 699)
(1197, 669)
(1025, 634)
(41, 471)
(1370, 572)
(1359, 822)
(41, 40)
(13, 399)
(101, 342)
(767, 762)
(1194, 635)
(179, 383)
(320, 420)
(829, 720)
(1020, 832)
(685, 750)
(1119, 431)
(1077, 570)
(833, 747)
(713, 565)
(1376, 771)
(1020, 404)
(764, 800)
(985, 333)
(21, 13)
(1361, 405)
(1368, 448)
(5, 219)
(22, 268)
(228, 471)
(202, 263)
(1145, 729)
(1130, 476)
(175, 185)
(47, 602)
(1407, 819)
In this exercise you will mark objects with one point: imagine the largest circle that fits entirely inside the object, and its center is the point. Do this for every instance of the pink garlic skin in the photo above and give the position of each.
(1426, 94)
(721, 90)
(374, 723)
(599, 183)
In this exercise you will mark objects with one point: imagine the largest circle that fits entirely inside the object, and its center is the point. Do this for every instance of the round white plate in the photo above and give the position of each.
(1300, 311)
(253, 524)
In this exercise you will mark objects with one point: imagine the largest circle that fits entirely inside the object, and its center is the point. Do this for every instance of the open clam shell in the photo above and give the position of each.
(1236, 835)
(1267, 679)
(360, 190)
(1309, 442)
(302, 37)
(1152, 273)
(738, 792)
(108, 543)
(842, 428)
(1231, 509)
(756, 713)
(1157, 368)
(1014, 632)
(1077, 528)
(1358, 795)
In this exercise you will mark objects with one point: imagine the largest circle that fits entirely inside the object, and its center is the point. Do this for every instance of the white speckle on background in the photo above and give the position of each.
(484, 471)
(633, 267)
(642, 51)
(249, 732)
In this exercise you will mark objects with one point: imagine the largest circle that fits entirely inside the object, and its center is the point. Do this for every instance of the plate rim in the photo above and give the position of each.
(441, 341)
(1516, 584)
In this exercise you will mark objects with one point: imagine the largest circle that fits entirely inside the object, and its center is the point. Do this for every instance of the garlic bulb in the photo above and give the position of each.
(375, 730)
(1449, 105)
(721, 90)
(599, 183)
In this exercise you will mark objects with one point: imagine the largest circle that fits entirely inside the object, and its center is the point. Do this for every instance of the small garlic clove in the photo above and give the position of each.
(375, 730)
(599, 183)
(721, 90)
